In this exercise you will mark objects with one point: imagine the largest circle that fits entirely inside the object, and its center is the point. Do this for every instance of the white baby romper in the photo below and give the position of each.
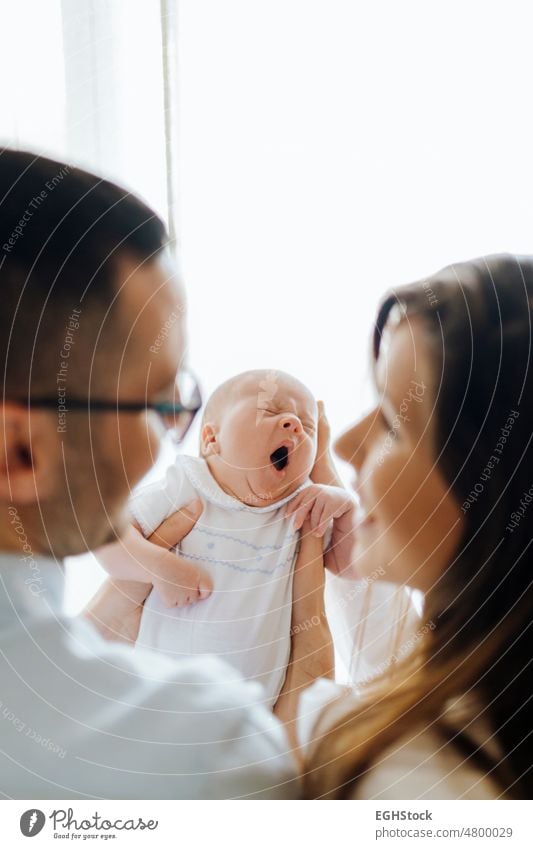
(249, 553)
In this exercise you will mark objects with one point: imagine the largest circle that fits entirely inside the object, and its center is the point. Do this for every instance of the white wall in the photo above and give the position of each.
(331, 149)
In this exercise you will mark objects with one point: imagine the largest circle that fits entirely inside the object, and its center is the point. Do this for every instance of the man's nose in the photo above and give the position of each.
(291, 423)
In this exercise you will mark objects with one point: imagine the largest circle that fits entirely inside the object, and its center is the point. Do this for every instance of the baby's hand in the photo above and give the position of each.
(321, 504)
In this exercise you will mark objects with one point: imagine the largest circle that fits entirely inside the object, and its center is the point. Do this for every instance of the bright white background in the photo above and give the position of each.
(330, 149)
(326, 151)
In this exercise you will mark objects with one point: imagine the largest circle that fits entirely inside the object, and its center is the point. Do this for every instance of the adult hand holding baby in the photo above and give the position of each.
(312, 653)
(135, 564)
(324, 470)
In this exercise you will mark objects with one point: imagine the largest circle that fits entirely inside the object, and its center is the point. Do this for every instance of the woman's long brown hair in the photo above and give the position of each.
(478, 321)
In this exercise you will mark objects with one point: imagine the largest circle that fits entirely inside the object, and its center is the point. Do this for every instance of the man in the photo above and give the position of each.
(89, 355)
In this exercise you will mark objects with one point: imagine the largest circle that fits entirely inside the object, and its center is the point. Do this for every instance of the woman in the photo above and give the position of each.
(444, 471)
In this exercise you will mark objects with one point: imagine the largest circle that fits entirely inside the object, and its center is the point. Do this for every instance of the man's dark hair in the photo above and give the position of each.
(62, 233)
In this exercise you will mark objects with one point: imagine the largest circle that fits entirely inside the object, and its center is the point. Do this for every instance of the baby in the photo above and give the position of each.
(258, 446)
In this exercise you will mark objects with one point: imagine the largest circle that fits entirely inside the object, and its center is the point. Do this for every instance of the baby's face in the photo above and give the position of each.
(265, 439)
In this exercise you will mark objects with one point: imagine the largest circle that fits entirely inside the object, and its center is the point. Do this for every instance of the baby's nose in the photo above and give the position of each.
(291, 423)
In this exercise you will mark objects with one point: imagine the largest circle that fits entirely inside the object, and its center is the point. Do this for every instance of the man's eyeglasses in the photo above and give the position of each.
(176, 413)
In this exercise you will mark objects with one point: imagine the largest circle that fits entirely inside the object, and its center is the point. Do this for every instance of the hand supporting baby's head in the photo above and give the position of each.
(259, 436)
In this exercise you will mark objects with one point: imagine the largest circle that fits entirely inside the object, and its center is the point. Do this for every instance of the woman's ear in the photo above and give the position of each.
(28, 451)
(208, 440)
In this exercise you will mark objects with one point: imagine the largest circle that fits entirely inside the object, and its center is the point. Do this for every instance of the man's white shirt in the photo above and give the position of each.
(83, 718)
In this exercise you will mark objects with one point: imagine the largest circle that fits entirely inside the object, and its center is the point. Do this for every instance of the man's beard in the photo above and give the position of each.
(88, 507)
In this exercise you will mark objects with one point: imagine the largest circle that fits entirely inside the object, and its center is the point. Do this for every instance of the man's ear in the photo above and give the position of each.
(29, 448)
(208, 440)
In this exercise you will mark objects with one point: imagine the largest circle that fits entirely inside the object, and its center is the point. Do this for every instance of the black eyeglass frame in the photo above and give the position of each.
(164, 409)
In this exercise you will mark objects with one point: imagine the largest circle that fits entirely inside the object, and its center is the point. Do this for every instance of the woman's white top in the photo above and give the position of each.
(249, 553)
(421, 766)
(82, 718)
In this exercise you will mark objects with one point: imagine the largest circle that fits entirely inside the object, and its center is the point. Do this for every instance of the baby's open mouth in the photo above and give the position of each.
(280, 457)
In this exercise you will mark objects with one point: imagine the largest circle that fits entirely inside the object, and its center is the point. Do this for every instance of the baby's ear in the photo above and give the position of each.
(208, 440)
